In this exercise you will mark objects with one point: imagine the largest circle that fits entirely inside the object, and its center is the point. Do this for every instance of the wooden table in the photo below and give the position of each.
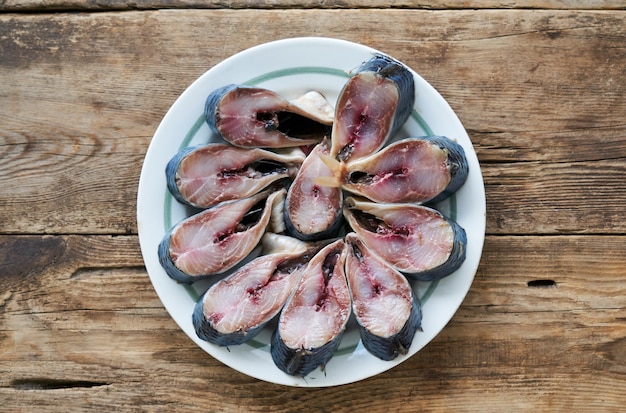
(540, 86)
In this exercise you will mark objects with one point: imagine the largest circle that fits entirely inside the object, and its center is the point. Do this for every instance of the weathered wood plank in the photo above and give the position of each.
(81, 327)
(540, 92)
(562, 198)
(54, 5)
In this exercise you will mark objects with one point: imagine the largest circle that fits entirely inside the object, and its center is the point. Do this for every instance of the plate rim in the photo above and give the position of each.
(144, 188)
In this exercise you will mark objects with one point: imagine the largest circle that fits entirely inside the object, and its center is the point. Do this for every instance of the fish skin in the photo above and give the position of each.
(300, 362)
(190, 250)
(421, 170)
(308, 205)
(206, 175)
(257, 122)
(360, 129)
(238, 307)
(315, 316)
(389, 348)
(417, 240)
(457, 163)
(386, 309)
(454, 261)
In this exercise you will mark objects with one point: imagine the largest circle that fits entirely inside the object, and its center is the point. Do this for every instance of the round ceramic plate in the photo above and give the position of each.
(292, 67)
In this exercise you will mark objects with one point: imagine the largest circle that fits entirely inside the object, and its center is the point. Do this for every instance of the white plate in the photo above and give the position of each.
(291, 67)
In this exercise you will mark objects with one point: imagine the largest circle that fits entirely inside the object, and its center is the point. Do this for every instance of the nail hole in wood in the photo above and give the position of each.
(542, 283)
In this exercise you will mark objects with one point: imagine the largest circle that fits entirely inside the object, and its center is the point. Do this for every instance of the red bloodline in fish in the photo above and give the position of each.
(328, 269)
(255, 293)
(215, 318)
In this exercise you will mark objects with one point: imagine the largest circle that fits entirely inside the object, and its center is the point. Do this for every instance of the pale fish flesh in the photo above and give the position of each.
(313, 211)
(216, 239)
(256, 117)
(314, 318)
(372, 106)
(386, 309)
(412, 170)
(414, 239)
(237, 307)
(206, 175)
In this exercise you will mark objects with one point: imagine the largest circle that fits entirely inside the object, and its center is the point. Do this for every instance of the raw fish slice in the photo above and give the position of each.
(386, 309)
(412, 170)
(313, 211)
(216, 239)
(315, 316)
(414, 239)
(255, 117)
(237, 307)
(372, 106)
(206, 175)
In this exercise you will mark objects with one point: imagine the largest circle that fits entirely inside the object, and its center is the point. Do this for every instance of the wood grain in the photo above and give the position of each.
(540, 92)
(555, 198)
(56, 5)
(82, 324)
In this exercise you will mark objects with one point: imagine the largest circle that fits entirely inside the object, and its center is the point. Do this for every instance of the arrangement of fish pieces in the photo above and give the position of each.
(260, 187)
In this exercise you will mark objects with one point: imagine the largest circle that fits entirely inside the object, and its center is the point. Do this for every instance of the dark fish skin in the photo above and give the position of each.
(323, 300)
(168, 265)
(262, 118)
(300, 362)
(205, 175)
(458, 165)
(454, 262)
(424, 169)
(361, 128)
(239, 306)
(313, 212)
(395, 71)
(206, 332)
(389, 348)
(417, 240)
(212, 104)
(379, 296)
(216, 239)
(170, 173)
